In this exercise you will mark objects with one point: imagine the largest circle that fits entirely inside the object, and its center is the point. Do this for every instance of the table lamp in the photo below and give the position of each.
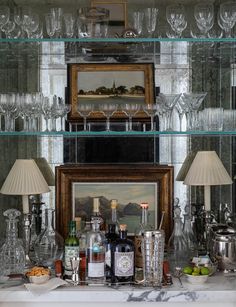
(207, 170)
(24, 179)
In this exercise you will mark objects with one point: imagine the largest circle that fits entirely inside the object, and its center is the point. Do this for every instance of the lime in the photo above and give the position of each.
(196, 270)
(188, 270)
(195, 274)
(204, 271)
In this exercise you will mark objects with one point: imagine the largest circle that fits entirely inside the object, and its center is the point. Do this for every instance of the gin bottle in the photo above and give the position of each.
(95, 254)
(122, 259)
(144, 226)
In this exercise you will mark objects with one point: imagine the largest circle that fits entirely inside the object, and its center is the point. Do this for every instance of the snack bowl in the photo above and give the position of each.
(39, 279)
(196, 279)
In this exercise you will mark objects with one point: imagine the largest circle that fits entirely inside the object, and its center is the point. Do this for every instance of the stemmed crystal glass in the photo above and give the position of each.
(4, 16)
(108, 109)
(63, 110)
(69, 22)
(9, 108)
(130, 110)
(182, 108)
(46, 111)
(194, 101)
(150, 15)
(227, 17)
(175, 16)
(84, 110)
(57, 13)
(138, 21)
(204, 16)
(50, 25)
(150, 110)
(168, 101)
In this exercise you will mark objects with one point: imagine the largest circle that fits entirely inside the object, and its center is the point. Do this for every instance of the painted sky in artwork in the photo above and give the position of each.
(123, 192)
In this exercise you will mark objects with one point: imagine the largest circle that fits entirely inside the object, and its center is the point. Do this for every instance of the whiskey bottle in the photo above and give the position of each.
(95, 254)
(111, 236)
(71, 248)
(122, 259)
(97, 214)
(144, 226)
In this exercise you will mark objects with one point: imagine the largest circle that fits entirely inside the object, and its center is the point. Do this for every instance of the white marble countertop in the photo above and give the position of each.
(218, 289)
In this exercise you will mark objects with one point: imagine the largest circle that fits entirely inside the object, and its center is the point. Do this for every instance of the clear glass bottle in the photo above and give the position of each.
(12, 251)
(95, 254)
(122, 259)
(111, 236)
(49, 246)
(83, 252)
(177, 249)
(143, 226)
(189, 234)
(97, 214)
(71, 248)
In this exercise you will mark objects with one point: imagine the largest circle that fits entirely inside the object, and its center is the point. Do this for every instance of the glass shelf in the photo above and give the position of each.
(120, 133)
(121, 40)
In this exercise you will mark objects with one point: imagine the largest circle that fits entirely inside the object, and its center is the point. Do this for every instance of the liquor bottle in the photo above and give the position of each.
(95, 254)
(122, 259)
(144, 226)
(97, 214)
(71, 248)
(114, 219)
(82, 252)
(111, 236)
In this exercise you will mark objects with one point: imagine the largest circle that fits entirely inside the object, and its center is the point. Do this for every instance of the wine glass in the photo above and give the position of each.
(150, 14)
(63, 110)
(69, 22)
(47, 112)
(138, 21)
(108, 109)
(182, 108)
(50, 25)
(150, 110)
(168, 102)
(57, 13)
(204, 16)
(227, 17)
(84, 110)
(194, 101)
(4, 16)
(130, 110)
(175, 16)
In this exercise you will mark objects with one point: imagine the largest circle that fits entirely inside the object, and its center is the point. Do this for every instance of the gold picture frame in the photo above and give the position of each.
(85, 82)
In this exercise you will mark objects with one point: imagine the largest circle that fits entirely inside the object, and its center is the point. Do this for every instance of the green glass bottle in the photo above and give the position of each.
(71, 248)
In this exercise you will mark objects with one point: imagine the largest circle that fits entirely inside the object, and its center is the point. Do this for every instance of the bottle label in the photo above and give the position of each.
(96, 269)
(138, 252)
(124, 264)
(70, 252)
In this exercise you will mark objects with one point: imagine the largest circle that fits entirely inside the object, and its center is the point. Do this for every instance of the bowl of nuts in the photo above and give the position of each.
(38, 275)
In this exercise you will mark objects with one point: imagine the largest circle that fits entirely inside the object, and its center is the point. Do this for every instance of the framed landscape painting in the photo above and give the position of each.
(109, 83)
(130, 184)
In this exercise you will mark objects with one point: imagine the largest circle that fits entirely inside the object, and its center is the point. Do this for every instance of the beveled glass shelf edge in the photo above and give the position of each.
(119, 40)
(118, 133)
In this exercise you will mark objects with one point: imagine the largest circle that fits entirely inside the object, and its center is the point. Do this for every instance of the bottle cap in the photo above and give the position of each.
(144, 205)
(96, 204)
(123, 227)
(114, 203)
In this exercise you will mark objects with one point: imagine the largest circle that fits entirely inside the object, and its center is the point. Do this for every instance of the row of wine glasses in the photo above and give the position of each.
(176, 16)
(186, 104)
(204, 21)
(32, 108)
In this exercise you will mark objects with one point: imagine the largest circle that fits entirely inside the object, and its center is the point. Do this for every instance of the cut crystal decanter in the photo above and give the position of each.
(12, 251)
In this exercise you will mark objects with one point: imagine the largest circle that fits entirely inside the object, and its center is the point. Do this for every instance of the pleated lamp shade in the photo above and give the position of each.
(185, 166)
(24, 179)
(207, 170)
